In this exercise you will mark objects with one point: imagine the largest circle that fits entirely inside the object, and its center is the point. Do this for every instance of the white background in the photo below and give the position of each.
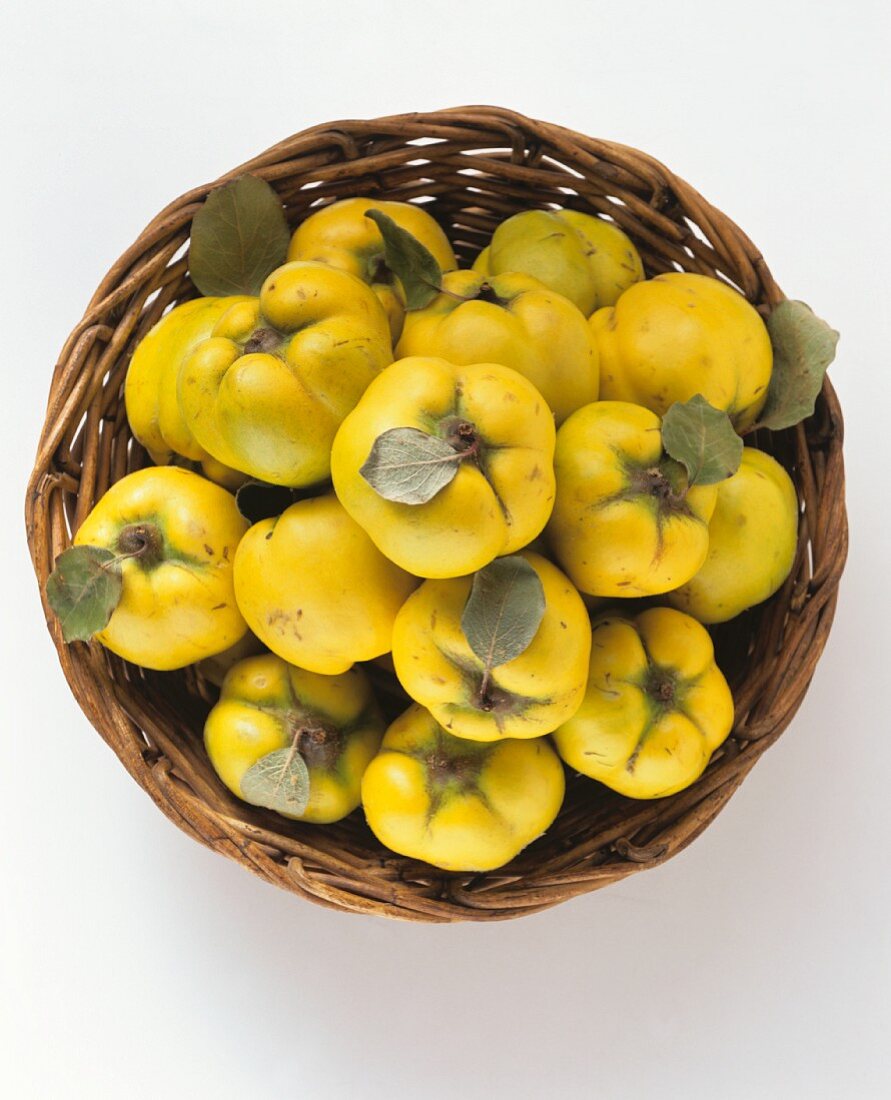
(756, 964)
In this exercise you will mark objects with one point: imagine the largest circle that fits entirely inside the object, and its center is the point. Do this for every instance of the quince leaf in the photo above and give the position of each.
(84, 589)
(279, 781)
(409, 466)
(503, 611)
(239, 236)
(412, 264)
(803, 347)
(702, 439)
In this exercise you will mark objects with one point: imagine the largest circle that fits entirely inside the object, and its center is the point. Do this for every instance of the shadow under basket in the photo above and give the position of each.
(470, 167)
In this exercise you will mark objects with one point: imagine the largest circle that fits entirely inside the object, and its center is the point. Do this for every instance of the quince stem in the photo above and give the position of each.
(138, 540)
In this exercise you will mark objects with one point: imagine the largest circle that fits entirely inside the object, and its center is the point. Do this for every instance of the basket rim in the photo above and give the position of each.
(76, 397)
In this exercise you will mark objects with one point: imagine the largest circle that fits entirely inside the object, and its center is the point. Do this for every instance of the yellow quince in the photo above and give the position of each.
(267, 391)
(455, 804)
(342, 236)
(176, 534)
(485, 427)
(514, 320)
(752, 540)
(678, 335)
(624, 521)
(333, 722)
(150, 393)
(586, 259)
(527, 696)
(656, 707)
(316, 590)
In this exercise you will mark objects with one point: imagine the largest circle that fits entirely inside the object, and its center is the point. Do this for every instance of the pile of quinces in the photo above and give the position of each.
(521, 488)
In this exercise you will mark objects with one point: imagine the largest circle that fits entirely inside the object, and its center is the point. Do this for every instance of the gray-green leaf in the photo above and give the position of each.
(279, 781)
(239, 236)
(503, 611)
(84, 589)
(803, 347)
(412, 264)
(409, 466)
(702, 439)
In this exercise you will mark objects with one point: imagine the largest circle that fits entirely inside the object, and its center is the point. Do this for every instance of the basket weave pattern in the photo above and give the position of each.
(470, 167)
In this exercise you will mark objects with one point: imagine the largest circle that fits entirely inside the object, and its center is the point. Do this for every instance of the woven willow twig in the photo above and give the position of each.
(470, 167)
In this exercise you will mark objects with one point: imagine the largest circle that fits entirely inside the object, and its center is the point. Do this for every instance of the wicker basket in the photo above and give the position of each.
(471, 167)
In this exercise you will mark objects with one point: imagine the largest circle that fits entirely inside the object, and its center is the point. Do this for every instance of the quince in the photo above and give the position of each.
(316, 590)
(458, 805)
(586, 259)
(150, 396)
(177, 535)
(514, 320)
(656, 708)
(333, 722)
(680, 334)
(342, 236)
(752, 540)
(267, 391)
(485, 427)
(625, 523)
(527, 696)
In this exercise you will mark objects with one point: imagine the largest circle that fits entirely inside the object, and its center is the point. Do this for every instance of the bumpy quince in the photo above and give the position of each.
(677, 335)
(342, 236)
(513, 320)
(526, 697)
(333, 722)
(458, 805)
(624, 521)
(177, 535)
(656, 708)
(584, 258)
(752, 539)
(502, 435)
(316, 590)
(150, 395)
(268, 390)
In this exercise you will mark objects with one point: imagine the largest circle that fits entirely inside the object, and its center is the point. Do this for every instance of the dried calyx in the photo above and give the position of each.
(462, 435)
(492, 699)
(443, 767)
(263, 340)
(665, 483)
(319, 744)
(661, 684)
(142, 541)
(486, 293)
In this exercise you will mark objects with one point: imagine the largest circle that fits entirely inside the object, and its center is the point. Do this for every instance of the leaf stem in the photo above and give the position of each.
(292, 752)
(485, 684)
(454, 294)
(114, 562)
